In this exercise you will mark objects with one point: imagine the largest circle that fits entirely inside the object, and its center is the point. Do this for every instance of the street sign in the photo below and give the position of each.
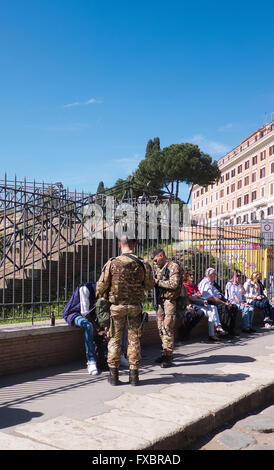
(267, 226)
(267, 231)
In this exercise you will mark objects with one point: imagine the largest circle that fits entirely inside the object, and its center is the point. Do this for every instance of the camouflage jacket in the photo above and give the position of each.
(170, 284)
(125, 280)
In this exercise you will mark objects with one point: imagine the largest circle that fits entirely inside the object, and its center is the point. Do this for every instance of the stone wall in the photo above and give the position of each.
(26, 347)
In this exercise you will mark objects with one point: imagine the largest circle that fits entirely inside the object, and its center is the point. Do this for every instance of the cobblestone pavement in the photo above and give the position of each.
(253, 432)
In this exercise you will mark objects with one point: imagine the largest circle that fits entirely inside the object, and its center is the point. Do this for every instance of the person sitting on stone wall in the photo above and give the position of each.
(255, 295)
(80, 306)
(235, 293)
(191, 316)
(199, 302)
(226, 310)
(80, 312)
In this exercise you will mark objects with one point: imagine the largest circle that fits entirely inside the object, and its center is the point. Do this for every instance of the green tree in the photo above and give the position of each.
(178, 163)
(152, 146)
(101, 187)
(149, 148)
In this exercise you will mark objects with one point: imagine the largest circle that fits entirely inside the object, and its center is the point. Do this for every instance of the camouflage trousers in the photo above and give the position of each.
(124, 316)
(166, 325)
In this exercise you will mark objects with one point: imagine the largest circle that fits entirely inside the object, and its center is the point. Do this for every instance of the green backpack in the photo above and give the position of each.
(102, 311)
(181, 304)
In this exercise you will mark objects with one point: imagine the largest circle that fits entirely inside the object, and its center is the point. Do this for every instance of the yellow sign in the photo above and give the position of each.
(246, 256)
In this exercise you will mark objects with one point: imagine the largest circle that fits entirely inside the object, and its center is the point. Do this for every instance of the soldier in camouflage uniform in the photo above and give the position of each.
(168, 285)
(125, 279)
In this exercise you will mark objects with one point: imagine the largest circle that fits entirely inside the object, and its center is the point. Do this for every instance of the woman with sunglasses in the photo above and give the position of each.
(235, 292)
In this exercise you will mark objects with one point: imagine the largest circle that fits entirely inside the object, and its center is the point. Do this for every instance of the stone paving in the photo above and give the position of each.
(63, 408)
(255, 432)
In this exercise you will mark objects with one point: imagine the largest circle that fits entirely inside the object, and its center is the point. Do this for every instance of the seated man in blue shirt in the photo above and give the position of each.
(80, 312)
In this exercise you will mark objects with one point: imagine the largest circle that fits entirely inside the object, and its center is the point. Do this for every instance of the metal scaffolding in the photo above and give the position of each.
(52, 239)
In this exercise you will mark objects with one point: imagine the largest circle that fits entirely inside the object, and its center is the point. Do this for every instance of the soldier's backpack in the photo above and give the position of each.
(181, 304)
(102, 312)
(102, 309)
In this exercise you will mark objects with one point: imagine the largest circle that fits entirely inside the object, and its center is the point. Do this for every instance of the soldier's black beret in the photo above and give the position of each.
(157, 252)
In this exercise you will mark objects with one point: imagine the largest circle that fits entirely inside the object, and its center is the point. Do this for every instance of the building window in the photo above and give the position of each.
(210, 214)
(262, 191)
(232, 204)
(270, 210)
(239, 185)
(238, 220)
(271, 150)
(262, 172)
(222, 193)
(245, 218)
(227, 190)
(227, 176)
(254, 177)
(254, 160)
(263, 155)
(246, 180)
(271, 189)
(239, 202)
(198, 193)
(240, 168)
(222, 179)
(253, 196)
(232, 172)
(272, 168)
(253, 215)
(233, 187)
(247, 165)
(246, 199)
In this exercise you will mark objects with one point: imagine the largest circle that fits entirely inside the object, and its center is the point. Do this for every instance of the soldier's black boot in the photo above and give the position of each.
(113, 377)
(160, 359)
(167, 362)
(133, 377)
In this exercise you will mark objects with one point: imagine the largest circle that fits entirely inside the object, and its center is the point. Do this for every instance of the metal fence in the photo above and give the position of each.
(52, 239)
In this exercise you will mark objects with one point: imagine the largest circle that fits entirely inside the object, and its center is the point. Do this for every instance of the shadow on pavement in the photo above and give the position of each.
(13, 416)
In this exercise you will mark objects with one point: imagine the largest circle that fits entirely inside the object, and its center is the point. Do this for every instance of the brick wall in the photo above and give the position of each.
(29, 347)
(37, 346)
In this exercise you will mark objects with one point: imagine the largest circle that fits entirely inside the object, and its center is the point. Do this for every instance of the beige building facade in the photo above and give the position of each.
(245, 192)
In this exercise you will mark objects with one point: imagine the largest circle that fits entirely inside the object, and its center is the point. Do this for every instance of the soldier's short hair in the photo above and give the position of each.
(125, 240)
(157, 252)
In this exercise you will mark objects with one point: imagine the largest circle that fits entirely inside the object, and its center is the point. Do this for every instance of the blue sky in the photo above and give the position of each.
(85, 84)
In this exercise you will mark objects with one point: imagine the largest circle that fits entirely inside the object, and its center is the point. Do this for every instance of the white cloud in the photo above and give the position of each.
(209, 146)
(70, 105)
(84, 103)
